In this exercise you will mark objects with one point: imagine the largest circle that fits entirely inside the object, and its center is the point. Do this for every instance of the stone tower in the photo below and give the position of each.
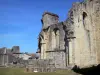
(15, 49)
(49, 19)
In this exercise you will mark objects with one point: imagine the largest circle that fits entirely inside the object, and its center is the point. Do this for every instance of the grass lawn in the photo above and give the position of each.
(20, 71)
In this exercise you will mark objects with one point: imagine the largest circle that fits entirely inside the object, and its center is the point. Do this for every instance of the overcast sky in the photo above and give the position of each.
(20, 21)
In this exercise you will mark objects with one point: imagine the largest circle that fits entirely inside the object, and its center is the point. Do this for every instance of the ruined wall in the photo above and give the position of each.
(49, 19)
(51, 40)
(78, 36)
(46, 37)
(83, 23)
(57, 45)
(5, 56)
(41, 65)
(95, 22)
(8, 56)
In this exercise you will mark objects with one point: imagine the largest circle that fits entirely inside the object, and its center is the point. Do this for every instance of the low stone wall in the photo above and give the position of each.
(40, 65)
(35, 65)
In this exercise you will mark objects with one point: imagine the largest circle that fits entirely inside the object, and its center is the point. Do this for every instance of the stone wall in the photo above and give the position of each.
(49, 19)
(78, 36)
(95, 22)
(3, 56)
(40, 65)
(8, 56)
(84, 24)
(51, 43)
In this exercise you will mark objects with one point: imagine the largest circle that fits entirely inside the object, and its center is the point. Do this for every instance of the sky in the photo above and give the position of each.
(20, 21)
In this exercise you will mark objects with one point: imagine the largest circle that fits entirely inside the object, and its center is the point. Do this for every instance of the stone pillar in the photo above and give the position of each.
(44, 50)
(67, 56)
(42, 55)
(3, 60)
(70, 53)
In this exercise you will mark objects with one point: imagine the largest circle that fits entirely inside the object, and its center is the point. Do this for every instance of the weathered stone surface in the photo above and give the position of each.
(8, 56)
(85, 27)
(3, 57)
(74, 41)
(51, 43)
(49, 19)
(41, 65)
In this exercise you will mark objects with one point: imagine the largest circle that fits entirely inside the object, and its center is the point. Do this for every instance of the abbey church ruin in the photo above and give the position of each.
(62, 45)
(75, 41)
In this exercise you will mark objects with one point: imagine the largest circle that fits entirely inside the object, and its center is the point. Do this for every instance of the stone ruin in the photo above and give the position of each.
(11, 58)
(61, 45)
(8, 56)
(75, 41)
(40, 65)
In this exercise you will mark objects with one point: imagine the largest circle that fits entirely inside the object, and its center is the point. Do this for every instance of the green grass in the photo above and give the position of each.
(20, 71)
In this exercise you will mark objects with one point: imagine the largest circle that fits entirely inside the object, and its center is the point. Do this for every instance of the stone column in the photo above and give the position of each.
(44, 50)
(42, 55)
(67, 56)
(3, 59)
(70, 53)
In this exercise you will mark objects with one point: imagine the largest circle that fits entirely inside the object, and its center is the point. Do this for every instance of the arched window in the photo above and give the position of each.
(84, 18)
(55, 39)
(84, 15)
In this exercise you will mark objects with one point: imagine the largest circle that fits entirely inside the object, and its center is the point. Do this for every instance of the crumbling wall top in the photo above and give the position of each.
(50, 14)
